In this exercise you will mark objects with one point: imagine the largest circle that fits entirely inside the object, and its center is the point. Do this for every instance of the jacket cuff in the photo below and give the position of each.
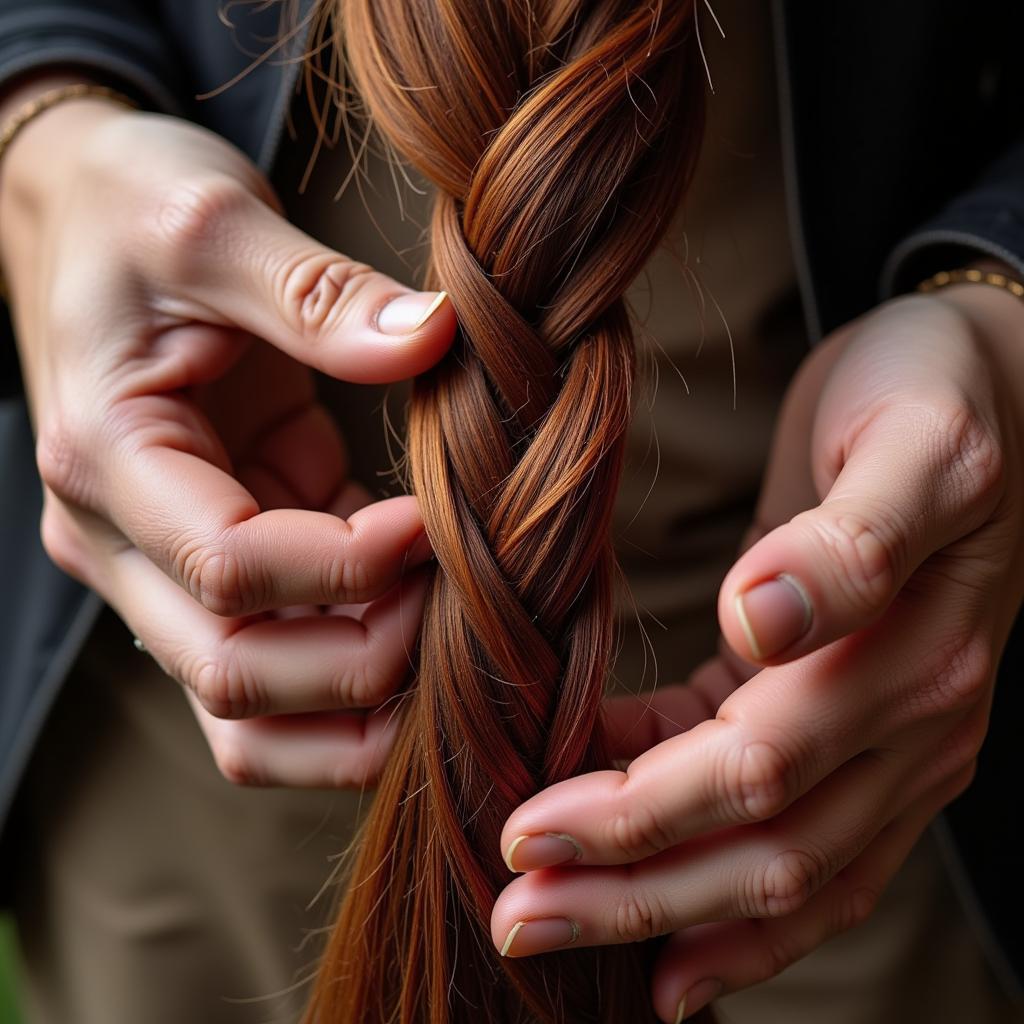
(115, 51)
(123, 52)
(987, 220)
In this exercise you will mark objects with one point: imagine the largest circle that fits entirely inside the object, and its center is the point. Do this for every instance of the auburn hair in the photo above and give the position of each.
(560, 136)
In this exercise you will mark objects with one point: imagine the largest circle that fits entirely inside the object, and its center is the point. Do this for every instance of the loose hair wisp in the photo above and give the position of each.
(560, 136)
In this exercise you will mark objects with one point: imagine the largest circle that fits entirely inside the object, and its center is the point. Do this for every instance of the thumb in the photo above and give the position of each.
(901, 495)
(224, 248)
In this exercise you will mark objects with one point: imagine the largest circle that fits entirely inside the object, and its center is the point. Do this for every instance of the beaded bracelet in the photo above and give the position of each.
(972, 276)
(43, 102)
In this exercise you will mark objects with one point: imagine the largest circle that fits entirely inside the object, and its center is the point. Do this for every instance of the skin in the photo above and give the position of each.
(769, 800)
(169, 319)
(194, 482)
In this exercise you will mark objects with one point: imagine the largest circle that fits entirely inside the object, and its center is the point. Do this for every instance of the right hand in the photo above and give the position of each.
(167, 316)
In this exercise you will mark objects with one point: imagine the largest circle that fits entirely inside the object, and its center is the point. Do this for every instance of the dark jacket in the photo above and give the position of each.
(904, 149)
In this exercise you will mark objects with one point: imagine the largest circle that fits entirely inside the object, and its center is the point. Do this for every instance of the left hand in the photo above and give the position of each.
(770, 812)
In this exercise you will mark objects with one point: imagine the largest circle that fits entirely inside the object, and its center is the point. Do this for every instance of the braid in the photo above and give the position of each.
(560, 135)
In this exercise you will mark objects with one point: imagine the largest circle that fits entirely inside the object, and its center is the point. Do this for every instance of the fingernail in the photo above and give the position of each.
(697, 998)
(408, 313)
(681, 1012)
(542, 936)
(774, 615)
(528, 853)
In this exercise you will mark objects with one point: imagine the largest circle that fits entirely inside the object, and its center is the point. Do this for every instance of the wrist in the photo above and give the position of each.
(42, 137)
(996, 318)
(27, 88)
(43, 121)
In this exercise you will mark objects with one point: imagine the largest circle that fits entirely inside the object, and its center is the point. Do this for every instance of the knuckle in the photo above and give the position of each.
(225, 689)
(317, 291)
(959, 673)
(850, 908)
(781, 951)
(865, 556)
(219, 578)
(63, 461)
(361, 684)
(785, 883)
(759, 781)
(193, 213)
(960, 750)
(640, 914)
(970, 455)
(785, 947)
(347, 580)
(635, 830)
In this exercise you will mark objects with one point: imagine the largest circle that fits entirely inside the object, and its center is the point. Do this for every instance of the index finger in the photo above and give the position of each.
(908, 459)
(206, 531)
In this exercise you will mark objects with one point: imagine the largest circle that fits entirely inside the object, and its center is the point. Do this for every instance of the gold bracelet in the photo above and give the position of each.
(43, 102)
(972, 276)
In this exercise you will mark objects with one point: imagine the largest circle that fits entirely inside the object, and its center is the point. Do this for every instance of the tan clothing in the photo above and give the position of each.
(150, 890)
(155, 892)
(720, 350)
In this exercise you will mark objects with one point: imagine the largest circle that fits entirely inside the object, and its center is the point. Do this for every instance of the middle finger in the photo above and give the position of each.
(767, 870)
(264, 666)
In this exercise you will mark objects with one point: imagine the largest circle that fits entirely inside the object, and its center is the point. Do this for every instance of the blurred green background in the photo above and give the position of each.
(8, 1004)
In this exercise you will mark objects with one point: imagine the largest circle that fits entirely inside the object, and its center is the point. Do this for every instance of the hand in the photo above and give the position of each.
(167, 316)
(883, 577)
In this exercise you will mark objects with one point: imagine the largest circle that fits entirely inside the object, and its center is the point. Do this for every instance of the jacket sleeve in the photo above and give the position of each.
(986, 220)
(119, 41)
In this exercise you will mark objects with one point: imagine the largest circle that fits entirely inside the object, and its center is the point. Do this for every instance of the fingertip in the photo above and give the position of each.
(400, 514)
(411, 599)
(773, 615)
(382, 728)
(542, 850)
(421, 551)
(423, 324)
(696, 999)
(384, 543)
(410, 312)
(518, 901)
(766, 605)
(676, 971)
(384, 334)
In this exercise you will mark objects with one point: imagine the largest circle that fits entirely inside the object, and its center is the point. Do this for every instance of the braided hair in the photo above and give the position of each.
(560, 136)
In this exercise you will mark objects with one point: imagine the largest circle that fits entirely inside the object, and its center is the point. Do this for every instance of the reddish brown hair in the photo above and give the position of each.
(560, 135)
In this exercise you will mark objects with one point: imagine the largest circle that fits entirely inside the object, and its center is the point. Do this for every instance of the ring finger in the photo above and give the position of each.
(709, 960)
(241, 668)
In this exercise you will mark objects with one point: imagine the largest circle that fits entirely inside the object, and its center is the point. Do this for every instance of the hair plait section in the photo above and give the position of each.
(560, 137)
